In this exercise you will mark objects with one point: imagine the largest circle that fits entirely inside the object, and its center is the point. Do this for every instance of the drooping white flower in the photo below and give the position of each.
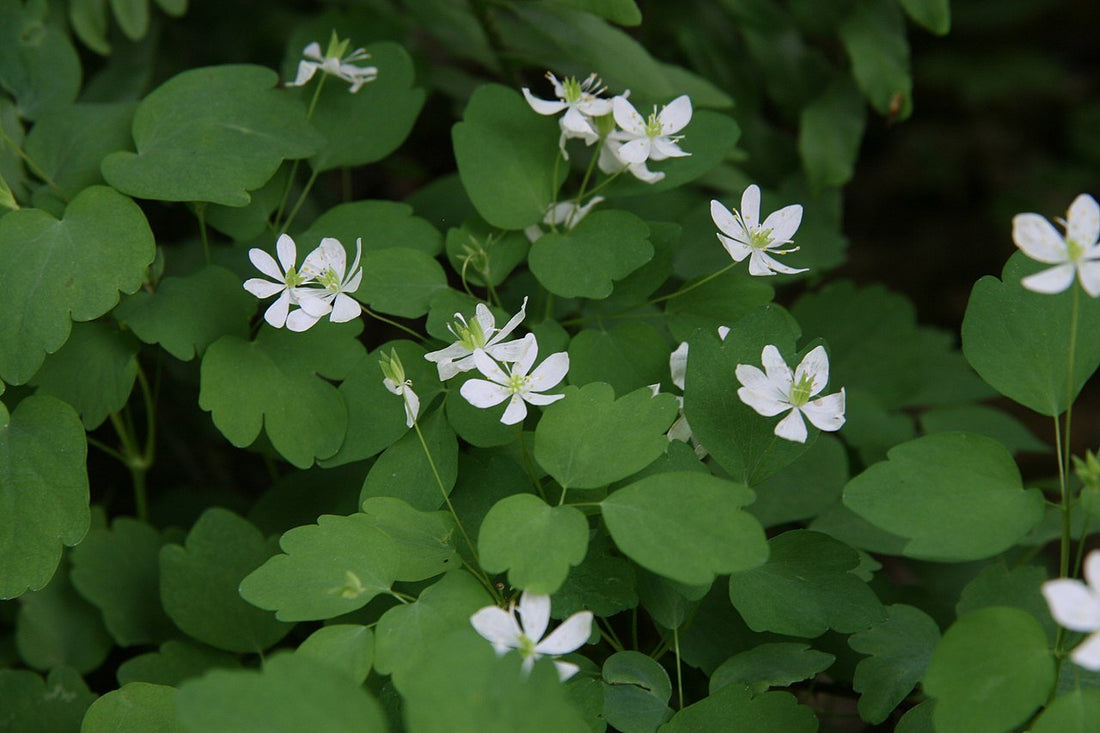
(479, 333)
(776, 390)
(609, 162)
(743, 235)
(519, 385)
(331, 63)
(581, 102)
(1077, 252)
(566, 214)
(393, 377)
(327, 266)
(1076, 606)
(287, 280)
(525, 634)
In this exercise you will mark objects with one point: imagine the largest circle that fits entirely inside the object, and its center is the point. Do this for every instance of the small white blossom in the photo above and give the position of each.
(287, 280)
(652, 139)
(331, 63)
(1078, 252)
(502, 629)
(566, 215)
(743, 235)
(519, 385)
(393, 377)
(327, 267)
(1076, 606)
(581, 102)
(776, 390)
(479, 333)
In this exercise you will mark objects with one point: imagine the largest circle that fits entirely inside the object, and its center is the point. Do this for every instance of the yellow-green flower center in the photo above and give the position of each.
(653, 125)
(469, 334)
(572, 89)
(517, 383)
(329, 279)
(760, 238)
(293, 279)
(1074, 250)
(526, 645)
(801, 390)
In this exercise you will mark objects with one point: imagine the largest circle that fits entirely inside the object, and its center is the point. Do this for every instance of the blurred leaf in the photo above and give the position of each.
(622, 12)
(1074, 712)
(874, 36)
(38, 65)
(778, 664)
(537, 544)
(69, 143)
(734, 707)
(88, 19)
(132, 17)
(935, 15)
(347, 648)
(138, 706)
(34, 706)
(984, 420)
(56, 627)
(1019, 587)
(380, 224)
(829, 134)
(900, 649)
(606, 246)
(637, 692)
(175, 662)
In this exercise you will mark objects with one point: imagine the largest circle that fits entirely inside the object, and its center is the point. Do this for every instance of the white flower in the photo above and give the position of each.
(516, 386)
(331, 63)
(1076, 606)
(744, 236)
(287, 279)
(502, 629)
(1077, 252)
(652, 139)
(581, 102)
(775, 390)
(393, 378)
(609, 162)
(566, 214)
(327, 266)
(479, 333)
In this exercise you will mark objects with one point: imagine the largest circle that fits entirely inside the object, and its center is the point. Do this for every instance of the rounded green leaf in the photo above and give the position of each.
(199, 581)
(1018, 341)
(138, 707)
(626, 356)
(734, 707)
(212, 134)
(56, 627)
(604, 583)
(348, 648)
(65, 270)
(505, 154)
(806, 487)
(934, 15)
(400, 281)
(425, 541)
(380, 224)
(278, 382)
(328, 569)
(173, 663)
(534, 542)
(1075, 712)
(990, 672)
(900, 649)
(585, 261)
(830, 130)
(31, 705)
(778, 664)
(719, 302)
(404, 470)
(874, 37)
(69, 143)
(688, 527)
(954, 496)
(38, 65)
(637, 692)
(590, 439)
(43, 488)
(984, 420)
(806, 587)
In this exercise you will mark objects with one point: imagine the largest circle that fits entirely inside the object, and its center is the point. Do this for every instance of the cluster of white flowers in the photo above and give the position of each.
(776, 390)
(320, 288)
(506, 365)
(334, 63)
(1078, 252)
(525, 634)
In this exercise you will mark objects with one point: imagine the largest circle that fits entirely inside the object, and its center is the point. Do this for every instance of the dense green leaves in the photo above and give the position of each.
(63, 270)
(69, 143)
(406, 472)
(954, 496)
(348, 648)
(426, 542)
(1075, 712)
(874, 36)
(535, 543)
(637, 692)
(829, 133)
(36, 706)
(400, 281)
(380, 224)
(56, 627)
(605, 246)
(900, 649)
(38, 64)
(138, 706)
(734, 707)
(211, 134)
(776, 664)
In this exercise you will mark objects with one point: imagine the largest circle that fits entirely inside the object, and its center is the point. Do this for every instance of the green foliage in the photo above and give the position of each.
(776, 664)
(405, 471)
(900, 648)
(43, 706)
(348, 648)
(735, 706)
(637, 692)
(535, 543)
(583, 262)
(56, 627)
(135, 707)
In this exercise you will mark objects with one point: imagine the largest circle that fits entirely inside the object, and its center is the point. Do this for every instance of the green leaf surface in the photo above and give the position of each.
(505, 154)
(584, 262)
(983, 420)
(69, 143)
(88, 19)
(1075, 712)
(138, 707)
(400, 281)
(187, 314)
(954, 496)
(43, 488)
(777, 664)
(347, 648)
(173, 663)
(117, 570)
(806, 587)
(56, 627)
(483, 254)
(719, 302)
(199, 581)
(132, 17)
(734, 707)
(620, 12)
(990, 672)
(475, 425)
(249, 222)
(806, 487)
(277, 383)
(603, 583)
(65, 270)
(626, 356)
(637, 692)
(94, 371)
(668, 602)
(874, 37)
(1018, 587)
(35, 706)
(425, 541)
(830, 130)
(405, 472)
(211, 134)
(38, 65)
(590, 439)
(687, 527)
(535, 543)
(291, 692)
(380, 224)
(1018, 340)
(900, 649)
(934, 15)
(299, 497)
(327, 569)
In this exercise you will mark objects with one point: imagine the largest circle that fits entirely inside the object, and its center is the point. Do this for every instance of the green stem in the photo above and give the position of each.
(107, 449)
(679, 670)
(395, 324)
(35, 168)
(301, 200)
(200, 212)
(528, 464)
(606, 182)
(694, 285)
(297, 162)
(609, 634)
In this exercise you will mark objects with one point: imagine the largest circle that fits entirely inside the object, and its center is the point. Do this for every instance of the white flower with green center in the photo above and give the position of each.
(287, 280)
(502, 629)
(743, 235)
(566, 214)
(642, 139)
(327, 266)
(1077, 252)
(334, 63)
(581, 102)
(1076, 606)
(478, 333)
(775, 390)
(519, 385)
(393, 377)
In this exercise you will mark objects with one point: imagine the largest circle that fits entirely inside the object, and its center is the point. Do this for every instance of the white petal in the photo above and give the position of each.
(448, 369)
(262, 288)
(300, 321)
(266, 264)
(313, 51)
(723, 331)
(314, 304)
(511, 324)
(534, 615)
(276, 312)
(534, 398)
(676, 115)
(481, 393)
(792, 427)
(724, 219)
(565, 669)
(1083, 220)
(1089, 275)
(644, 174)
(1092, 570)
(763, 402)
(306, 70)
(635, 151)
(352, 283)
(815, 363)
(678, 363)
(574, 121)
(345, 309)
(1052, 280)
(627, 117)
(752, 378)
(515, 412)
(412, 406)
(595, 107)
(760, 264)
(485, 319)
(288, 253)
(609, 157)
(680, 430)
(1038, 239)
(737, 250)
(498, 626)
(665, 148)
(335, 255)
(776, 368)
(550, 372)
(783, 223)
(454, 351)
(570, 636)
(543, 106)
(509, 351)
(826, 413)
(1087, 653)
(774, 265)
(527, 358)
(1072, 604)
(750, 206)
(489, 368)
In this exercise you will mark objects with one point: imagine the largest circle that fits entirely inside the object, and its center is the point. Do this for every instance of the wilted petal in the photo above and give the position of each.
(676, 115)
(1083, 220)
(1072, 604)
(826, 413)
(509, 326)
(481, 393)
(1038, 239)
(515, 412)
(750, 206)
(534, 615)
(497, 626)
(1052, 280)
(569, 636)
(792, 427)
(680, 430)
(783, 223)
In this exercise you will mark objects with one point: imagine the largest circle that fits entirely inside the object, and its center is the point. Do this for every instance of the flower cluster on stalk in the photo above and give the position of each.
(333, 62)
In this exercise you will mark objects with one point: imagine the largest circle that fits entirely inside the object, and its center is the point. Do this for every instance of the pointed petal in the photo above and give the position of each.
(335, 255)
(314, 304)
(680, 430)
(1072, 604)
(534, 615)
(678, 364)
(288, 253)
(313, 51)
(776, 368)
(792, 427)
(454, 351)
(266, 264)
(750, 206)
(489, 368)
(635, 151)
(262, 288)
(783, 223)
(569, 636)
(771, 265)
(565, 669)
(764, 403)
(644, 174)
(515, 412)
(533, 398)
(752, 378)
(497, 626)
(627, 117)
(543, 106)
(665, 148)
(826, 413)
(1086, 654)
(1083, 220)
(595, 107)
(511, 324)
(527, 358)
(276, 313)
(345, 309)
(550, 372)
(299, 321)
(1038, 239)
(412, 406)
(815, 363)
(724, 219)
(735, 249)
(676, 115)
(481, 393)
(353, 283)
(1052, 280)
(574, 121)
(485, 319)
(306, 70)
(609, 157)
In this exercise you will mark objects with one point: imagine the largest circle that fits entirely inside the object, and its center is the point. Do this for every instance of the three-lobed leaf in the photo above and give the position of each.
(534, 542)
